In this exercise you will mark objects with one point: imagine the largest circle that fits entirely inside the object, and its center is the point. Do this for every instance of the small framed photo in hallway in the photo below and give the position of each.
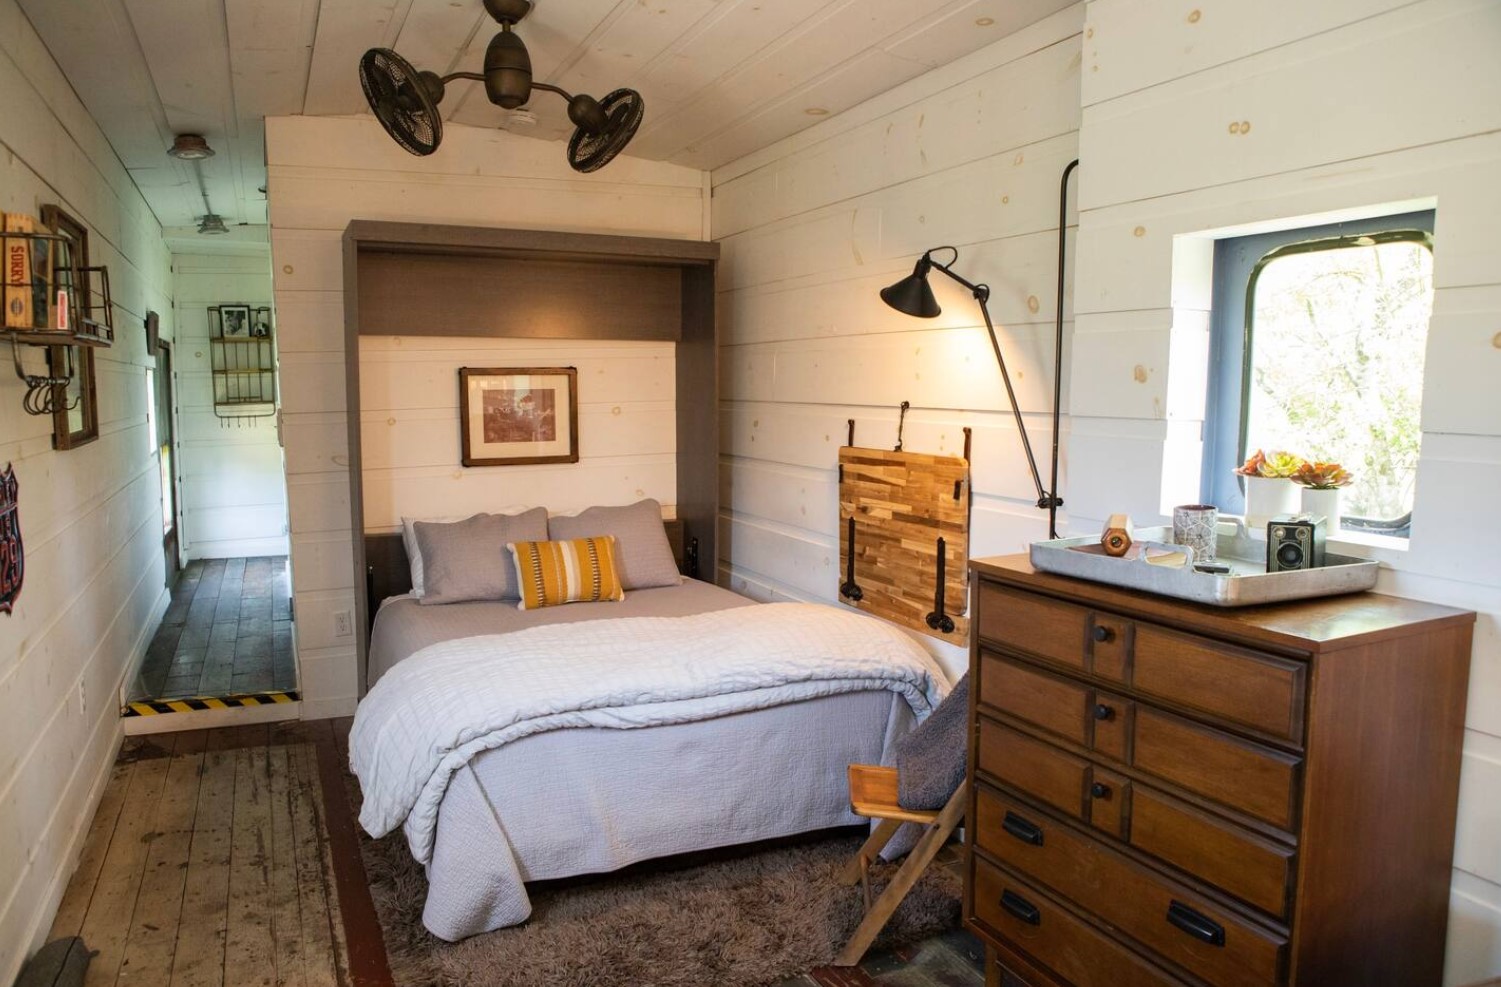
(518, 416)
(235, 320)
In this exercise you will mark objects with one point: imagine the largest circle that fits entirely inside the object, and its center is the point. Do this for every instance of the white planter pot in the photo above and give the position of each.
(1267, 497)
(1324, 503)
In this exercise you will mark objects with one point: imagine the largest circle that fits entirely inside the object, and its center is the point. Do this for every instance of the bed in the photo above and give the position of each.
(592, 799)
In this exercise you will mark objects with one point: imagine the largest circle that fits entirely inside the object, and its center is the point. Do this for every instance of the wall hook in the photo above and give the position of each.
(901, 421)
(849, 588)
(938, 620)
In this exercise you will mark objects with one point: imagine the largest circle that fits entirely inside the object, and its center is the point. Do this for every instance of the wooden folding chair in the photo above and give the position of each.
(873, 794)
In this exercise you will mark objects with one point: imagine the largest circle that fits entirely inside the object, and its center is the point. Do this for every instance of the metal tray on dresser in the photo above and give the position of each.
(1246, 584)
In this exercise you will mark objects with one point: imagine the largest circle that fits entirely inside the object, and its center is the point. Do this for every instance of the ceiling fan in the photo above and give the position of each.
(405, 101)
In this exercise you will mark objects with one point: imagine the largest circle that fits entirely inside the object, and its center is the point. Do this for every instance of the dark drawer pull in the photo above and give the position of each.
(1196, 925)
(1027, 832)
(1104, 712)
(1099, 790)
(1021, 908)
(1103, 633)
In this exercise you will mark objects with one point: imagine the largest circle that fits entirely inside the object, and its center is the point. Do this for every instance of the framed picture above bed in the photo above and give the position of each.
(518, 416)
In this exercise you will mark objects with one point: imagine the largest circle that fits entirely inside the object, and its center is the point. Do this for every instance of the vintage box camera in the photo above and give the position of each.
(1295, 541)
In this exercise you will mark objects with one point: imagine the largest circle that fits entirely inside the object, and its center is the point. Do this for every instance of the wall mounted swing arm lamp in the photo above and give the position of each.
(914, 296)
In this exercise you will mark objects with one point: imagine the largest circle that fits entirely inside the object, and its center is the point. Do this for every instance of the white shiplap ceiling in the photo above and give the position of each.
(720, 78)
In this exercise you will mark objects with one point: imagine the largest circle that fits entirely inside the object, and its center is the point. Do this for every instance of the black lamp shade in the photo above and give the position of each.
(912, 294)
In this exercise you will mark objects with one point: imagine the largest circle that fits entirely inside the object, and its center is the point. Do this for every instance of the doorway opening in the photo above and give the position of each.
(227, 637)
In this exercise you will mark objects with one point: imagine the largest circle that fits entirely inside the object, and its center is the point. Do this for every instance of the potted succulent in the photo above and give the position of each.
(1269, 487)
(1321, 483)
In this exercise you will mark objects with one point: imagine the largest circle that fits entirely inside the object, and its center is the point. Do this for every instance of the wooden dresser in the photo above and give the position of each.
(1168, 794)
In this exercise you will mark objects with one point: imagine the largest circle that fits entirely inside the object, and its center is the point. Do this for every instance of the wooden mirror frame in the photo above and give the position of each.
(80, 358)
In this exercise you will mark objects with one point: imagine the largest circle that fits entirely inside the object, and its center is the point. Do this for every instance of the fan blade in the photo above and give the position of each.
(623, 110)
(403, 100)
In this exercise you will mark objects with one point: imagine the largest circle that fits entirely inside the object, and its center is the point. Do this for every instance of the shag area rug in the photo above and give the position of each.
(749, 920)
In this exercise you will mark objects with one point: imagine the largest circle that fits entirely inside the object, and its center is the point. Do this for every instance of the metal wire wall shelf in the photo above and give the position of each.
(243, 362)
(49, 303)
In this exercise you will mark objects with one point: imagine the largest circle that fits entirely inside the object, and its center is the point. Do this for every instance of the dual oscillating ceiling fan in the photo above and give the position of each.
(405, 101)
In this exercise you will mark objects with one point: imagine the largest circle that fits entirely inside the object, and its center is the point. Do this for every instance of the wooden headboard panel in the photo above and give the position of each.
(387, 572)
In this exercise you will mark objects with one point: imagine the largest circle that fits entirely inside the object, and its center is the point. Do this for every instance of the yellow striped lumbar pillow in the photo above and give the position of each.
(579, 571)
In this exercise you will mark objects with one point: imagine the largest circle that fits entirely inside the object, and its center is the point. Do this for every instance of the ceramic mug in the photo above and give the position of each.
(1194, 526)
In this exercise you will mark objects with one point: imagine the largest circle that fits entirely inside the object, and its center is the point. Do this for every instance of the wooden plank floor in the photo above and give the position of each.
(228, 630)
(208, 864)
(230, 858)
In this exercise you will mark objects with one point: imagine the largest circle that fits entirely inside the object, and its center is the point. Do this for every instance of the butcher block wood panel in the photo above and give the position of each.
(902, 504)
(1263, 796)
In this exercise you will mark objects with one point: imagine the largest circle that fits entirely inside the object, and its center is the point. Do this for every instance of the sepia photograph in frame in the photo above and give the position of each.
(234, 320)
(518, 416)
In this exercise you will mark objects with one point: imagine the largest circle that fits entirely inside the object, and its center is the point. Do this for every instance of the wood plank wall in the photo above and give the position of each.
(812, 227)
(1343, 106)
(326, 172)
(90, 517)
(234, 495)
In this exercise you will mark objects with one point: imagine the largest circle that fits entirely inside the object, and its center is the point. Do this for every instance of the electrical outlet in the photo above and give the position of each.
(343, 624)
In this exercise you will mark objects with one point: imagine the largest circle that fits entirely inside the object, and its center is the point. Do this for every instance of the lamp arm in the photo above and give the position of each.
(1044, 499)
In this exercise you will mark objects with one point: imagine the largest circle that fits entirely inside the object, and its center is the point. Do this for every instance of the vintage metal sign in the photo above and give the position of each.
(12, 554)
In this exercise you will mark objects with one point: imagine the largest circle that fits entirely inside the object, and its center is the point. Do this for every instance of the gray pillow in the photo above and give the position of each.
(643, 554)
(467, 560)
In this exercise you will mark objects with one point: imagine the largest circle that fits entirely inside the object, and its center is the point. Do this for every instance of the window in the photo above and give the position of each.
(1317, 348)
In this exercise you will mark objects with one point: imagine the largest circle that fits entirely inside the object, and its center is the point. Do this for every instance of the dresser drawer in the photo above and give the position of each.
(1212, 942)
(1238, 773)
(1033, 624)
(1051, 702)
(1232, 684)
(1032, 923)
(1257, 871)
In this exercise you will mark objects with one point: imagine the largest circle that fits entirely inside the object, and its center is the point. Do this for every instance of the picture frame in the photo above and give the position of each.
(234, 320)
(518, 416)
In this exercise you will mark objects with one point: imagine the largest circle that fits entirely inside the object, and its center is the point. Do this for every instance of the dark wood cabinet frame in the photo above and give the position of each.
(414, 279)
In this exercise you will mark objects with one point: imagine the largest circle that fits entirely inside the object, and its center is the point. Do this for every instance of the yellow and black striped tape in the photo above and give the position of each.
(157, 707)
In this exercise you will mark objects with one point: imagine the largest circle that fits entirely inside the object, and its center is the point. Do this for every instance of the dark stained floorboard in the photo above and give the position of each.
(228, 630)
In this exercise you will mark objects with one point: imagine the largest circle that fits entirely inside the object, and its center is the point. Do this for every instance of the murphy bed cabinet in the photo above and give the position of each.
(1170, 794)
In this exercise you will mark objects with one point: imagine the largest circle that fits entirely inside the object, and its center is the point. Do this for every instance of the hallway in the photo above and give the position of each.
(227, 631)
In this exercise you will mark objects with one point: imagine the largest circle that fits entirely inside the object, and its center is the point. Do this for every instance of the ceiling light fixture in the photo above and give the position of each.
(405, 101)
(913, 296)
(190, 147)
(212, 224)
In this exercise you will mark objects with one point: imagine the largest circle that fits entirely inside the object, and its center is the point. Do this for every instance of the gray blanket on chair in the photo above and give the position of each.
(930, 760)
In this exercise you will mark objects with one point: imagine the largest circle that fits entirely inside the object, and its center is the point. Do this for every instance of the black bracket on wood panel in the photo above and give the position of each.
(901, 422)
(849, 441)
(849, 588)
(938, 620)
(690, 558)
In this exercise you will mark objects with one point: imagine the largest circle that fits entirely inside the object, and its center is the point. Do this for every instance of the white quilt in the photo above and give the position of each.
(437, 709)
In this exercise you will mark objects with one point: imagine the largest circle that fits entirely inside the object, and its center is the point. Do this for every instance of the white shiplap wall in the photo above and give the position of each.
(94, 583)
(326, 172)
(811, 229)
(1340, 106)
(410, 427)
(234, 498)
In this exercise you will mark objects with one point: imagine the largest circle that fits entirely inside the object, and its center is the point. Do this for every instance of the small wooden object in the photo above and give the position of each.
(901, 505)
(1116, 538)
(873, 794)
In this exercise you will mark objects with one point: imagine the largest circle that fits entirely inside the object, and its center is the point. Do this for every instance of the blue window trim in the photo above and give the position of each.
(1238, 261)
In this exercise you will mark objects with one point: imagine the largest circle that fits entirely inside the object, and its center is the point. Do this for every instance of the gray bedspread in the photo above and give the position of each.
(584, 801)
